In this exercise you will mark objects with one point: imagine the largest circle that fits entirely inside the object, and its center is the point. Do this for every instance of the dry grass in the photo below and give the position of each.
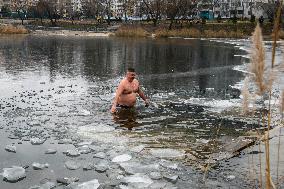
(10, 29)
(223, 33)
(127, 31)
(195, 33)
(191, 33)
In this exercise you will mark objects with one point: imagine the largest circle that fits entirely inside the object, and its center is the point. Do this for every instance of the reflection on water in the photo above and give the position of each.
(73, 80)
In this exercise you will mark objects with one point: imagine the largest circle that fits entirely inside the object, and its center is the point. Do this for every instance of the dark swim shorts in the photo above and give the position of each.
(123, 106)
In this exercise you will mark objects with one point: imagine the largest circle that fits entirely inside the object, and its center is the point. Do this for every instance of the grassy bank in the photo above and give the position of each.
(210, 30)
(186, 32)
(195, 33)
(131, 31)
(10, 29)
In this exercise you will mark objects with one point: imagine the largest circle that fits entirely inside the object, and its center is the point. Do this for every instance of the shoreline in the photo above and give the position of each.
(67, 33)
(70, 33)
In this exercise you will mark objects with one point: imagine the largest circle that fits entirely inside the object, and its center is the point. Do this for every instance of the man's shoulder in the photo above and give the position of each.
(136, 81)
(123, 81)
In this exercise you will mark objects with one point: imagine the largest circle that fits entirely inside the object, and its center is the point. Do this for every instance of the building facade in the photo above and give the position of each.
(238, 8)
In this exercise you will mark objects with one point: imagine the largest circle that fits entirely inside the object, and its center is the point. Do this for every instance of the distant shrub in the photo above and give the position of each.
(261, 19)
(235, 19)
(219, 18)
(252, 18)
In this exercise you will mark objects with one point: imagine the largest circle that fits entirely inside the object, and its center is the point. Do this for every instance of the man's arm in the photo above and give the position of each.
(118, 92)
(142, 95)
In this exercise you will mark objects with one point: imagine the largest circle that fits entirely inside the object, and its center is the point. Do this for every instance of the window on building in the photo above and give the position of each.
(240, 11)
(232, 12)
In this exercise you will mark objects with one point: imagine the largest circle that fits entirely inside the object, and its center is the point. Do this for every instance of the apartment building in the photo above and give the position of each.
(238, 8)
(117, 8)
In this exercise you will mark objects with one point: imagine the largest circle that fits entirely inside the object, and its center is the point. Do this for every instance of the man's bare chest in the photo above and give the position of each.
(130, 88)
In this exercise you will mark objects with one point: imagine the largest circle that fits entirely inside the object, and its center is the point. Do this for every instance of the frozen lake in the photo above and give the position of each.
(61, 89)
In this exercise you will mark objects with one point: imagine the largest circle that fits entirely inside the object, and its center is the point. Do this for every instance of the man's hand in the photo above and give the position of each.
(113, 109)
(147, 103)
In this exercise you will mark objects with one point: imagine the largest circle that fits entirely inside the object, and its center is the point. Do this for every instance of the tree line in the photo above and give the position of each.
(153, 10)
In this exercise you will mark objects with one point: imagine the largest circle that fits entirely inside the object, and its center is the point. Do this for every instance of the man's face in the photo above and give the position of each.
(130, 76)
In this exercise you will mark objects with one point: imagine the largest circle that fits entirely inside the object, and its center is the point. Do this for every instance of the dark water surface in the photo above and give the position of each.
(64, 77)
(64, 83)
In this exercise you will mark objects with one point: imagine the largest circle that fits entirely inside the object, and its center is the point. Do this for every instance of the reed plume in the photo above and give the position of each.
(257, 60)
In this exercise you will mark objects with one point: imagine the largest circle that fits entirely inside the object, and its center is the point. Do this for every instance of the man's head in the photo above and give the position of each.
(130, 74)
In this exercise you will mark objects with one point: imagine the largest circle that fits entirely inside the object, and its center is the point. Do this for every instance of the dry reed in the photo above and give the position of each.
(195, 33)
(257, 60)
(10, 29)
(131, 32)
(265, 86)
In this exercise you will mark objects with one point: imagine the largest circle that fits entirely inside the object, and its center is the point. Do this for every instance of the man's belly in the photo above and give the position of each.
(127, 99)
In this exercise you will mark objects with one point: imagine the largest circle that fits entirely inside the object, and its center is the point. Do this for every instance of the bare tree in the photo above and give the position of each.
(51, 10)
(93, 8)
(128, 8)
(269, 8)
(73, 12)
(107, 12)
(21, 7)
(177, 9)
(40, 9)
(154, 9)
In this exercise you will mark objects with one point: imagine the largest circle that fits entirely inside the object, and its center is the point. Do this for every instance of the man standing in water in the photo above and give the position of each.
(127, 89)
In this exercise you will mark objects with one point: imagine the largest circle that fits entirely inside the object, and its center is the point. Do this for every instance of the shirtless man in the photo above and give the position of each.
(127, 89)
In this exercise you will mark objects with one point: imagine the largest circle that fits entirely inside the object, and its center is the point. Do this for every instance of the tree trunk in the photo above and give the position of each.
(22, 19)
(108, 20)
(53, 23)
(154, 22)
(171, 24)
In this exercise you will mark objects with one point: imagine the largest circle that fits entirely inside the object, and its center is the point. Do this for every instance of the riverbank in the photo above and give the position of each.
(210, 30)
(184, 29)
(70, 33)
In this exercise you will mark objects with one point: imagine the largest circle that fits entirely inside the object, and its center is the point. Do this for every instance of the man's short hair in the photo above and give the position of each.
(130, 69)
